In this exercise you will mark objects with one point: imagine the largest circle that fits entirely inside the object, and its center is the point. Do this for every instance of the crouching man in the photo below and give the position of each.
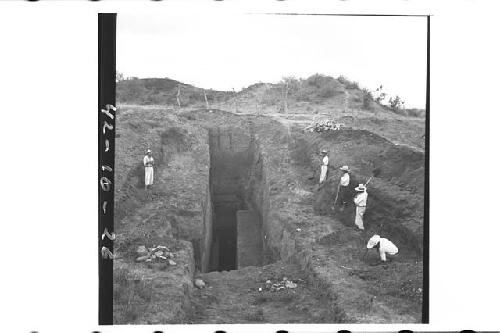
(383, 245)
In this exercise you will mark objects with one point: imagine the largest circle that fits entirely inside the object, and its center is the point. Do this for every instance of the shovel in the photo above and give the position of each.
(375, 173)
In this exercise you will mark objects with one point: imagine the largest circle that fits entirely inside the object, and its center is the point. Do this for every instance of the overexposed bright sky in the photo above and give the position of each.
(229, 51)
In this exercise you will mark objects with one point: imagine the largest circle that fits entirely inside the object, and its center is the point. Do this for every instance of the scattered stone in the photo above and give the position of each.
(154, 254)
(280, 285)
(324, 125)
(142, 249)
(199, 283)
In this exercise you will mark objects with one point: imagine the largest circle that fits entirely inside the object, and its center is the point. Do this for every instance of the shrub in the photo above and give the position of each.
(326, 86)
(367, 99)
(347, 83)
(396, 103)
(327, 92)
(342, 79)
(352, 85)
(318, 80)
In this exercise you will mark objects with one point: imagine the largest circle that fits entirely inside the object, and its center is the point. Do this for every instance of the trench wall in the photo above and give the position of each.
(278, 240)
(207, 209)
(395, 206)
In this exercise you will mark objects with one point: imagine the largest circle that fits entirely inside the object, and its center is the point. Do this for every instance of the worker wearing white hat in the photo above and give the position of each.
(383, 245)
(360, 202)
(344, 183)
(148, 168)
(324, 166)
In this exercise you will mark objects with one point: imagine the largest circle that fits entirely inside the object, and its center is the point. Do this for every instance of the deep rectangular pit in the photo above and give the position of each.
(236, 230)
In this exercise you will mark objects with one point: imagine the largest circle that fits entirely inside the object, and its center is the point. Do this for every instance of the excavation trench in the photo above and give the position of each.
(233, 231)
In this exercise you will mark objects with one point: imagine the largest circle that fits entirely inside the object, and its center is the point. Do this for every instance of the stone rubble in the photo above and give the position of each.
(324, 125)
(159, 253)
(279, 285)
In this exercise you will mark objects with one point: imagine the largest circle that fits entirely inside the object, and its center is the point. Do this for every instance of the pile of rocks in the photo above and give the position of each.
(159, 253)
(323, 125)
(279, 285)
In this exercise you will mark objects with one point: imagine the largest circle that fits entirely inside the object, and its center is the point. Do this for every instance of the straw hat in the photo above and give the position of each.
(344, 168)
(373, 241)
(361, 188)
(324, 151)
(148, 151)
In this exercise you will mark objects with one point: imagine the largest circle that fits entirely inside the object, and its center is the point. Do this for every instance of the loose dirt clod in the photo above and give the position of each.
(199, 283)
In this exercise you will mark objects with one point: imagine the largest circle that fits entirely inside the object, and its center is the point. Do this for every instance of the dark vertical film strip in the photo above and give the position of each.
(106, 130)
(425, 295)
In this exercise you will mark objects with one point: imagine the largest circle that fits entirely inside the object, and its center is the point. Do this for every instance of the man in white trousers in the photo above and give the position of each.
(343, 185)
(383, 245)
(148, 168)
(360, 202)
(324, 166)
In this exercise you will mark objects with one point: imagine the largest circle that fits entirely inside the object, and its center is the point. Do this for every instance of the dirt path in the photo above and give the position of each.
(233, 297)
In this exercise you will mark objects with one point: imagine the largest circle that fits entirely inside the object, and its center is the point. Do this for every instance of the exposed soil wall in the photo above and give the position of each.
(396, 193)
(173, 213)
(208, 213)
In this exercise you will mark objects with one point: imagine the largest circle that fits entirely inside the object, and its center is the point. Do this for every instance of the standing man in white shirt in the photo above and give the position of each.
(324, 166)
(344, 183)
(383, 245)
(148, 168)
(360, 202)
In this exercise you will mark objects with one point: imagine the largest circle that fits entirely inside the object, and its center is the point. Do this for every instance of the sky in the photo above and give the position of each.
(235, 50)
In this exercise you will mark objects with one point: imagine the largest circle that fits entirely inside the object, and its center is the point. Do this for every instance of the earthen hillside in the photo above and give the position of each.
(236, 203)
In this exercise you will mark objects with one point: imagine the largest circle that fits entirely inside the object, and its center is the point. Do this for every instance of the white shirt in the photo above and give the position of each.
(325, 160)
(360, 199)
(344, 180)
(147, 160)
(386, 246)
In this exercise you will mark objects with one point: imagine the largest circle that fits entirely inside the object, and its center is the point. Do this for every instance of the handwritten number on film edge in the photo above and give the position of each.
(105, 182)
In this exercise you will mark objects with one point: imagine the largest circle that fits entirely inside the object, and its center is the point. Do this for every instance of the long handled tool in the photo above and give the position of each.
(375, 173)
(336, 197)
(338, 190)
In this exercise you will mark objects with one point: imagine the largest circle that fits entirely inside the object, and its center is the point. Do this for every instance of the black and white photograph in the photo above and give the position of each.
(302, 166)
(269, 169)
